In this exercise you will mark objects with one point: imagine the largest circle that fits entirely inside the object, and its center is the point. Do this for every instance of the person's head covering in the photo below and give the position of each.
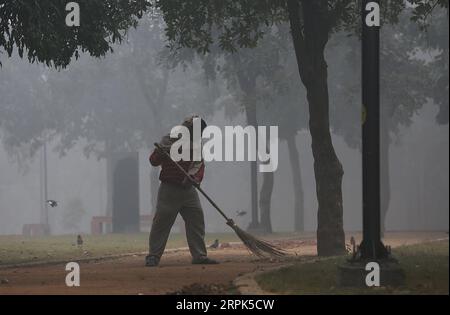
(189, 121)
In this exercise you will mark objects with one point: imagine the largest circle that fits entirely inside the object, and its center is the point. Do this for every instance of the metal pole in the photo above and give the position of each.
(41, 190)
(46, 219)
(371, 246)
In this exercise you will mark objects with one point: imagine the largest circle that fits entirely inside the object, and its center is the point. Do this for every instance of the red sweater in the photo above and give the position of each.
(170, 172)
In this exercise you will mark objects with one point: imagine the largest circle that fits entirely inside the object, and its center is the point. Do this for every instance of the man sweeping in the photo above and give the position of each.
(177, 195)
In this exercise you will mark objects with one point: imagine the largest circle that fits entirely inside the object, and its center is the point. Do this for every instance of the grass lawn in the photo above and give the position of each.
(425, 265)
(19, 249)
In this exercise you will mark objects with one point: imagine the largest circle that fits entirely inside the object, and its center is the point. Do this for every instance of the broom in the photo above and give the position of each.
(258, 247)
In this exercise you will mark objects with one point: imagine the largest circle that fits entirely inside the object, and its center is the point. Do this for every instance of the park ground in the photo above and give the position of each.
(425, 266)
(114, 264)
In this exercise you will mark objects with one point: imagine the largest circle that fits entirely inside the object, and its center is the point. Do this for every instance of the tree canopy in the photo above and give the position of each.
(38, 31)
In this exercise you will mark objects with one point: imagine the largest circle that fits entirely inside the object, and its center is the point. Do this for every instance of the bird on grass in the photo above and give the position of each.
(79, 241)
(52, 203)
(352, 248)
(215, 244)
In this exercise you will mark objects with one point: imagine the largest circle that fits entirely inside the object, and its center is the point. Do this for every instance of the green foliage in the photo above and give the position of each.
(22, 118)
(436, 39)
(198, 23)
(232, 24)
(37, 28)
(423, 10)
(222, 27)
(38, 31)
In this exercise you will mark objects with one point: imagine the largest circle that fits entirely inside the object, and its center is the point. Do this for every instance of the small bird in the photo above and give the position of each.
(352, 248)
(79, 241)
(241, 213)
(215, 244)
(52, 203)
(353, 243)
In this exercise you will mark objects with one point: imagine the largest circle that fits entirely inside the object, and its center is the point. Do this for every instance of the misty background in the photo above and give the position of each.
(46, 105)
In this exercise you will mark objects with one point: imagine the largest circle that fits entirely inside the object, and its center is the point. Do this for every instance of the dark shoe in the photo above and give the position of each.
(151, 261)
(204, 261)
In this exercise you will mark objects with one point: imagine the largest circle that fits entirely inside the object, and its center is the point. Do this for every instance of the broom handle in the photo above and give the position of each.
(194, 183)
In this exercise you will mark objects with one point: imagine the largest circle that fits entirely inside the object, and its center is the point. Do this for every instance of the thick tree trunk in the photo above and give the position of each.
(125, 211)
(328, 172)
(299, 208)
(156, 101)
(309, 43)
(265, 199)
(116, 194)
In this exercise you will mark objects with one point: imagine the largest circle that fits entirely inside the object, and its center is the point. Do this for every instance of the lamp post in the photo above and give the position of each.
(371, 246)
(371, 250)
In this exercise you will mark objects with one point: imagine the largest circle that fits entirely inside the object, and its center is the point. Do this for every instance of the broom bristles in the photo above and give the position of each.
(258, 247)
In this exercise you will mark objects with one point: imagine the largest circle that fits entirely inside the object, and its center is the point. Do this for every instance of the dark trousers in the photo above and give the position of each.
(174, 199)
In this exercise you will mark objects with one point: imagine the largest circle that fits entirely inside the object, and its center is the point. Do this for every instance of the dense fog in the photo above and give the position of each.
(124, 102)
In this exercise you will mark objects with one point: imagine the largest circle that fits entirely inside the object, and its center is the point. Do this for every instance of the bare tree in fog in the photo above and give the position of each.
(279, 97)
(436, 38)
(245, 72)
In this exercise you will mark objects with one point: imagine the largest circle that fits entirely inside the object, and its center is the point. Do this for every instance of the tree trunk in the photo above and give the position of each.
(265, 199)
(299, 208)
(156, 103)
(265, 202)
(112, 159)
(384, 176)
(109, 183)
(125, 210)
(252, 121)
(247, 83)
(309, 43)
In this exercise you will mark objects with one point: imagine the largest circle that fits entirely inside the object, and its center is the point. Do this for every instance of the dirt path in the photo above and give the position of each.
(129, 276)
